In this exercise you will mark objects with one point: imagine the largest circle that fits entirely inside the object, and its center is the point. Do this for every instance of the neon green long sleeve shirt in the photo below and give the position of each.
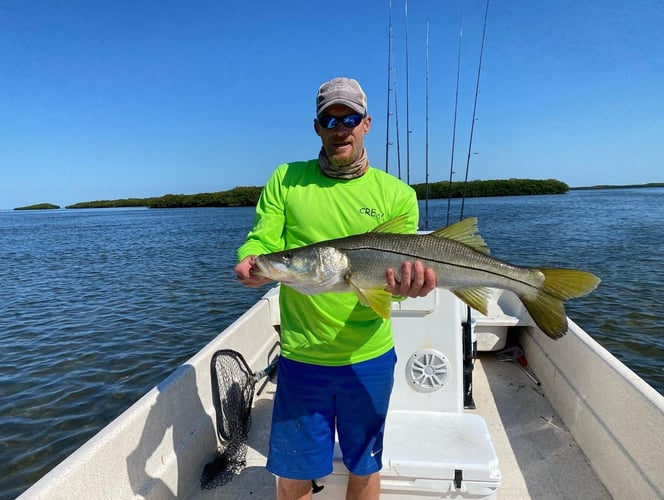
(300, 206)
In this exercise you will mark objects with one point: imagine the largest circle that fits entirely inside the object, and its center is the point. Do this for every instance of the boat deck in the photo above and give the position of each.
(538, 457)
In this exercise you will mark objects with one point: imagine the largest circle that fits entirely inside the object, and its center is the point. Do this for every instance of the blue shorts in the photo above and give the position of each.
(310, 399)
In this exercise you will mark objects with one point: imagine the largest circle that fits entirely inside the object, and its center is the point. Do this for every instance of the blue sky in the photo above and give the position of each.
(107, 100)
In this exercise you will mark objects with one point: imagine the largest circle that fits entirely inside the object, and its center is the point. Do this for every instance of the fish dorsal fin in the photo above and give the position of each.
(465, 232)
(397, 225)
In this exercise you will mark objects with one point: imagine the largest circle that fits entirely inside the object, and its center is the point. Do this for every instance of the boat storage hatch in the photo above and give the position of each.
(429, 455)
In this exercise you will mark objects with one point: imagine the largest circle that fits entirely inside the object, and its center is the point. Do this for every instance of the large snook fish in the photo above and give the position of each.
(457, 253)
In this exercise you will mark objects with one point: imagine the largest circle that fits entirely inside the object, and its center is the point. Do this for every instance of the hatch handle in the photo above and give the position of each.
(458, 477)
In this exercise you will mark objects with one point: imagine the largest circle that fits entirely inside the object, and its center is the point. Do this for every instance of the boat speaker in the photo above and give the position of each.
(427, 370)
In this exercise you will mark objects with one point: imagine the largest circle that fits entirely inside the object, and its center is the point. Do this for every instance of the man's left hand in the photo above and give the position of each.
(416, 280)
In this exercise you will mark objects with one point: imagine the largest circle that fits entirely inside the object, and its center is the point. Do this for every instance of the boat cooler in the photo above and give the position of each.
(432, 448)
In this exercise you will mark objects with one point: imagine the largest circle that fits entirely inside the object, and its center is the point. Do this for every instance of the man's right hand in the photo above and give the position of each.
(244, 276)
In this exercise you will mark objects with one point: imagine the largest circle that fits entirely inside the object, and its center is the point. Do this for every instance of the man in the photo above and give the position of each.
(337, 356)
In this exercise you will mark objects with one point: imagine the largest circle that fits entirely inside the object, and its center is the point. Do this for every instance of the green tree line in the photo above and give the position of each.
(236, 197)
(244, 196)
(502, 187)
(121, 203)
(248, 195)
(39, 206)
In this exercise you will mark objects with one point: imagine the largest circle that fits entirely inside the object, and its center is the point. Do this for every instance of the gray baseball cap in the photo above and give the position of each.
(344, 91)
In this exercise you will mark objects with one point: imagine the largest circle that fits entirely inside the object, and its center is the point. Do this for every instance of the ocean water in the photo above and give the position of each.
(98, 306)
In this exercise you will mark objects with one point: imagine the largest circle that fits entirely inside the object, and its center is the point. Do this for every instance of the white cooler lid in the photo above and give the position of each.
(433, 445)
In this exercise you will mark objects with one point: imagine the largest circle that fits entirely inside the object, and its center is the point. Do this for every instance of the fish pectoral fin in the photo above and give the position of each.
(465, 232)
(397, 225)
(378, 299)
(477, 298)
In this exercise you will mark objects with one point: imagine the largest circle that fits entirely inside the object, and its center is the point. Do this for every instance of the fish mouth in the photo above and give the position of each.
(261, 267)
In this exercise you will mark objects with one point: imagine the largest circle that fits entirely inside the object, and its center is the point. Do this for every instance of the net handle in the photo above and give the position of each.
(265, 372)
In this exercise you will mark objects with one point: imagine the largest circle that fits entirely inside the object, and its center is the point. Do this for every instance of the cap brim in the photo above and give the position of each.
(352, 105)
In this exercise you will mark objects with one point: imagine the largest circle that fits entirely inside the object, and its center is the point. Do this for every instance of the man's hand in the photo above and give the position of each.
(243, 273)
(416, 281)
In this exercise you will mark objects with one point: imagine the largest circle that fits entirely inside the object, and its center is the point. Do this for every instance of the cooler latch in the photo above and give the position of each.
(458, 477)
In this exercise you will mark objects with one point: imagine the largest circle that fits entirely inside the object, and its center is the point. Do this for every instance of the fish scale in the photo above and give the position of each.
(456, 265)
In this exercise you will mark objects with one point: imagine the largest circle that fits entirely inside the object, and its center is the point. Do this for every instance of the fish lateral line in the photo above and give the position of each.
(415, 257)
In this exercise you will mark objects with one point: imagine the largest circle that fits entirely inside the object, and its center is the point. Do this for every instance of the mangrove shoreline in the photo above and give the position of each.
(248, 195)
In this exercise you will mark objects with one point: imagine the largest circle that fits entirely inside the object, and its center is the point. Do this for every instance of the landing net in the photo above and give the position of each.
(232, 390)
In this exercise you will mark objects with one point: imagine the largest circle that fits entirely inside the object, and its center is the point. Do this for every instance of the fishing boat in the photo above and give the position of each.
(484, 406)
(551, 419)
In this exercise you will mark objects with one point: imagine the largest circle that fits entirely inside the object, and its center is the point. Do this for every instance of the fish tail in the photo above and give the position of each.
(547, 308)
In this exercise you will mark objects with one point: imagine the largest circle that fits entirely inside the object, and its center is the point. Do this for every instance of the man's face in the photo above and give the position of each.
(343, 145)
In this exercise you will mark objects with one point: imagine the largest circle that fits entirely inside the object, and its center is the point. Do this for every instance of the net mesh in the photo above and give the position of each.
(233, 389)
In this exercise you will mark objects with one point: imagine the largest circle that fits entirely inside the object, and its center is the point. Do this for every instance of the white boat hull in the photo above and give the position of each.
(602, 423)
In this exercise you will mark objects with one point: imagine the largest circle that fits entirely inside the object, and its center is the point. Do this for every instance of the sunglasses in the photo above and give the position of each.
(348, 121)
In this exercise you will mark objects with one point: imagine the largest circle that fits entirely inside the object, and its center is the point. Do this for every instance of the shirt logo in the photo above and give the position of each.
(374, 213)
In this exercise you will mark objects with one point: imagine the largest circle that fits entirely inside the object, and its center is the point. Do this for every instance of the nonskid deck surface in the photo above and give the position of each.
(538, 457)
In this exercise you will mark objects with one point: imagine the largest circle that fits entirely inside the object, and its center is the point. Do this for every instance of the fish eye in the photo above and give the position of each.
(287, 257)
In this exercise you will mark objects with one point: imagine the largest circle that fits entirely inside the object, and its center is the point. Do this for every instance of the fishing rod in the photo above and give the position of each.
(472, 124)
(454, 125)
(396, 123)
(470, 343)
(407, 104)
(389, 69)
(426, 128)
